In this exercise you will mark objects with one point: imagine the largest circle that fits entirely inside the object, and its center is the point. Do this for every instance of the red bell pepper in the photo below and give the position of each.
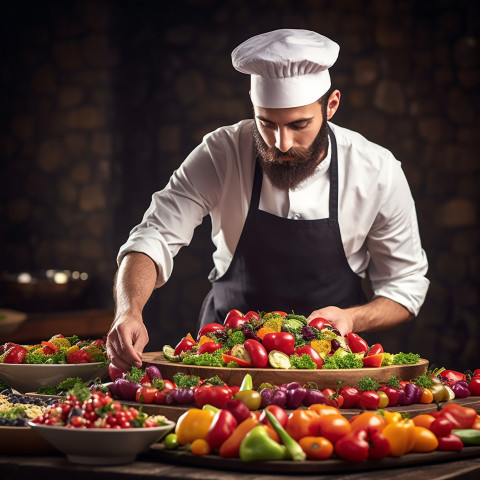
(356, 343)
(373, 360)
(353, 446)
(183, 345)
(223, 425)
(453, 376)
(458, 416)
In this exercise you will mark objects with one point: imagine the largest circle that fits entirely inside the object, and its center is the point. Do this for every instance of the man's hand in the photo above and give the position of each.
(379, 314)
(337, 317)
(125, 342)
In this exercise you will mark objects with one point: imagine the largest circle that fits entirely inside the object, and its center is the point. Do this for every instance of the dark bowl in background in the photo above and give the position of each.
(45, 290)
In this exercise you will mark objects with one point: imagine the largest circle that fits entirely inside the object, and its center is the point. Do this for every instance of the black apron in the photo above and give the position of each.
(283, 264)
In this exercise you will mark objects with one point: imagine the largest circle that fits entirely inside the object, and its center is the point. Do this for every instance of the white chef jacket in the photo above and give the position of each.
(376, 211)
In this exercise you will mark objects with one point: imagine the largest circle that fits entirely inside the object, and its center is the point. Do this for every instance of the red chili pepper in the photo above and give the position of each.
(223, 425)
(356, 343)
(257, 353)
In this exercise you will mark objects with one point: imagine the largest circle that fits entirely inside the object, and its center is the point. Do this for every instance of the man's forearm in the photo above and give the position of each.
(134, 283)
(379, 314)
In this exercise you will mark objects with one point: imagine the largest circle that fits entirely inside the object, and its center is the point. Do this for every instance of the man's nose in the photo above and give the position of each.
(283, 139)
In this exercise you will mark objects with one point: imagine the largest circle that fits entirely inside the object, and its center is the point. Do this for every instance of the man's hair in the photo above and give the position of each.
(323, 101)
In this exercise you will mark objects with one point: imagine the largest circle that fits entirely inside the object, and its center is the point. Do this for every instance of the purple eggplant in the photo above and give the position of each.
(295, 397)
(238, 409)
(460, 389)
(126, 389)
(183, 396)
(152, 372)
(313, 396)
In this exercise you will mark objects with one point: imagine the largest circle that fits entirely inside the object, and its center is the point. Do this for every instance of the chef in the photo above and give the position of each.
(301, 209)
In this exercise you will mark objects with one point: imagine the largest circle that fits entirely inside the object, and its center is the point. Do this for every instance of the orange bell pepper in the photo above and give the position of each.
(303, 423)
(401, 436)
(193, 424)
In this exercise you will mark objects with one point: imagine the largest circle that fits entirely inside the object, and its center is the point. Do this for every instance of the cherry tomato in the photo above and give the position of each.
(251, 315)
(209, 347)
(474, 385)
(374, 349)
(145, 394)
(350, 395)
(356, 343)
(251, 398)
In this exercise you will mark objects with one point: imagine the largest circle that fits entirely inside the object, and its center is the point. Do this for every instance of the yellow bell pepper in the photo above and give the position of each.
(390, 417)
(401, 436)
(193, 424)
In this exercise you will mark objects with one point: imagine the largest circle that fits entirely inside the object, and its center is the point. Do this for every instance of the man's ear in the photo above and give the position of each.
(333, 103)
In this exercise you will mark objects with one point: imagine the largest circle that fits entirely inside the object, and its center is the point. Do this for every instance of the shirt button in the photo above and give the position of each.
(296, 216)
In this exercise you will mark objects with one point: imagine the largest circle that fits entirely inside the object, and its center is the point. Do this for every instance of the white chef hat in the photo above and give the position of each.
(288, 67)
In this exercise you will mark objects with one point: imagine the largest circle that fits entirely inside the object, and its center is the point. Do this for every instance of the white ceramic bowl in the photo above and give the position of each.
(10, 320)
(30, 377)
(98, 446)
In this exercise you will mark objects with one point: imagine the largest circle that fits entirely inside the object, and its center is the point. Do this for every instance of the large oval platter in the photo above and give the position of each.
(323, 378)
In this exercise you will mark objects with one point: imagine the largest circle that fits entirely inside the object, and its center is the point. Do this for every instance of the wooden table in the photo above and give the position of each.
(57, 466)
(41, 326)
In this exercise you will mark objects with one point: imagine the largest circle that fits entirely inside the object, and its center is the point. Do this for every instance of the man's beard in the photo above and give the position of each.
(288, 175)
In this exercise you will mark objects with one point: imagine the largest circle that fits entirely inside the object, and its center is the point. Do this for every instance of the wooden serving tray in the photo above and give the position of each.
(323, 378)
(287, 467)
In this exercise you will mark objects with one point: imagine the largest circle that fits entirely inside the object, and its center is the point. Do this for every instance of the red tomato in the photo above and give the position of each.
(209, 327)
(234, 319)
(278, 412)
(368, 400)
(146, 394)
(209, 347)
(328, 392)
(257, 352)
(282, 341)
(474, 386)
(216, 395)
(251, 315)
(318, 322)
(373, 360)
(310, 351)
(183, 345)
(350, 395)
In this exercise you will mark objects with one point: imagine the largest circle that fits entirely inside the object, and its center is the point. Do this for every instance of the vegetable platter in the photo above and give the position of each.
(321, 439)
(323, 378)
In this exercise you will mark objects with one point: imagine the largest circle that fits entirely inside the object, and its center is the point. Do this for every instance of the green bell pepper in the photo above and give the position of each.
(257, 445)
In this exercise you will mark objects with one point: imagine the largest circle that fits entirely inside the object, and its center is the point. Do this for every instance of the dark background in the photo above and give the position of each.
(102, 100)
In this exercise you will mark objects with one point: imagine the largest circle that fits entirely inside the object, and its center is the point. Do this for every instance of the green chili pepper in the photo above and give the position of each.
(469, 436)
(293, 448)
(247, 383)
(257, 445)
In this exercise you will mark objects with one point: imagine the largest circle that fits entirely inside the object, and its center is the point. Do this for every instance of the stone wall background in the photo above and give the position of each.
(101, 100)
